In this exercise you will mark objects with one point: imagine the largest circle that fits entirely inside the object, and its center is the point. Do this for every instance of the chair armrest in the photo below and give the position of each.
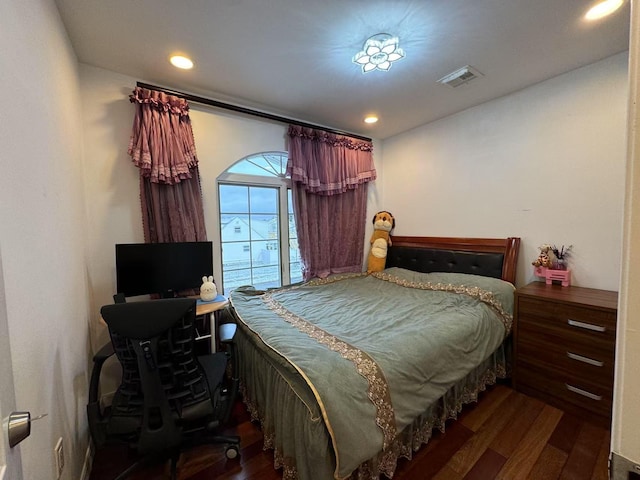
(226, 332)
(105, 352)
(98, 360)
(95, 416)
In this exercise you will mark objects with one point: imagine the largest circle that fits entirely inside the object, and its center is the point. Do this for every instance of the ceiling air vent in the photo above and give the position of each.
(460, 76)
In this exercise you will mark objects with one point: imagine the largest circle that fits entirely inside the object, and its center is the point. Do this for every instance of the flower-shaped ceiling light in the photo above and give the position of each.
(379, 52)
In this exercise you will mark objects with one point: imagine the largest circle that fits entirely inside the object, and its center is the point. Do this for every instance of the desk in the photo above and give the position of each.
(204, 309)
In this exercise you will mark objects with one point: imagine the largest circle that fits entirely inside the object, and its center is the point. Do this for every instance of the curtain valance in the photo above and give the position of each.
(162, 143)
(163, 148)
(326, 163)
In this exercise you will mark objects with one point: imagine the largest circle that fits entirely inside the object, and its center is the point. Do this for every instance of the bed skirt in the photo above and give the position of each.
(292, 423)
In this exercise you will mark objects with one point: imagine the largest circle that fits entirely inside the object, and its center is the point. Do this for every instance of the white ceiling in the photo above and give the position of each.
(293, 58)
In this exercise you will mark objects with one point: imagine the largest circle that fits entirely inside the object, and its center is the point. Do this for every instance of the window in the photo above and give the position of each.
(257, 224)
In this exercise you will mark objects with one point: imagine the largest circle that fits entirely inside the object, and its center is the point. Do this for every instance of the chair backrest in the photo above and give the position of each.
(162, 381)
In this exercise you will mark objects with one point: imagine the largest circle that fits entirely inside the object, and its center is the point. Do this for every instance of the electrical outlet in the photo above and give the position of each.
(58, 454)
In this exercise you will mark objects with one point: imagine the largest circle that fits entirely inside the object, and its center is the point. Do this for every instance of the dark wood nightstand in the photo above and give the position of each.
(564, 347)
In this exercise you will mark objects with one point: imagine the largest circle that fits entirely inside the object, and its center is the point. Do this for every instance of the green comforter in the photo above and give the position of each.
(377, 350)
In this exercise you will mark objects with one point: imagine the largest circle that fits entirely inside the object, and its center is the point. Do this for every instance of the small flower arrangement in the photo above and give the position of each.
(561, 255)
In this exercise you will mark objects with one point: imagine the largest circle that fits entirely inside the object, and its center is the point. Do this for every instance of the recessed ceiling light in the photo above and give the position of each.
(602, 9)
(180, 61)
(370, 119)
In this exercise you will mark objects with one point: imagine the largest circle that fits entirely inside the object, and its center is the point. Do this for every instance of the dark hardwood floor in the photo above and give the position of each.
(506, 435)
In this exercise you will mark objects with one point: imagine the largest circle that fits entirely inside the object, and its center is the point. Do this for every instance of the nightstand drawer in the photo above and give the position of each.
(558, 338)
(571, 359)
(556, 387)
(568, 321)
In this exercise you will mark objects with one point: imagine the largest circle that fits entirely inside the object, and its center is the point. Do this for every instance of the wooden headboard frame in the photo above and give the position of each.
(508, 247)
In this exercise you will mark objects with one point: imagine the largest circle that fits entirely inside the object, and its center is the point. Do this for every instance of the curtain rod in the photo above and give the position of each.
(236, 108)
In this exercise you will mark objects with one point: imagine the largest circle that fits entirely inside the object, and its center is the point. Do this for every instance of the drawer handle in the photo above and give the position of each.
(584, 393)
(580, 358)
(587, 326)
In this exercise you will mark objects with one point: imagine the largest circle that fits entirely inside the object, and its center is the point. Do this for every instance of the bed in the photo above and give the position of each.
(349, 373)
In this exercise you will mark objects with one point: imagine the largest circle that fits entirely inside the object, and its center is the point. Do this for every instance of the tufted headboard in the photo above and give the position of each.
(489, 257)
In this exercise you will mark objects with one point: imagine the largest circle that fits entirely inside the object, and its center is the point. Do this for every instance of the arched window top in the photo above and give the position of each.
(264, 164)
(258, 238)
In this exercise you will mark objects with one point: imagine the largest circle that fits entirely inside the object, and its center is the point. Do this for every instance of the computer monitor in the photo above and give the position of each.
(162, 268)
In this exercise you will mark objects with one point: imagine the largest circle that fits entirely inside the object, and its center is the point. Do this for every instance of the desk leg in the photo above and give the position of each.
(201, 345)
(213, 326)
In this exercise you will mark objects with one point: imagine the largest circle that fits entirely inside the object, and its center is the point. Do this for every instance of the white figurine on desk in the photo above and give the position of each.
(208, 290)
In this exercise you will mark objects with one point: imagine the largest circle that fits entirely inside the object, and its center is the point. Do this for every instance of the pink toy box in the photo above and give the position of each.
(563, 276)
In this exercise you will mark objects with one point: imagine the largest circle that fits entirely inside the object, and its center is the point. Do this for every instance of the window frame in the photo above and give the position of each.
(283, 184)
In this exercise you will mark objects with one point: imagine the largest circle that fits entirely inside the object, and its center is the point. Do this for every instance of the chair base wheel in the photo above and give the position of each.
(232, 452)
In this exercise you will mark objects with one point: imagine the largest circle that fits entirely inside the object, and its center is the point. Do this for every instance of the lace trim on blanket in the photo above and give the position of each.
(386, 462)
(401, 447)
(484, 296)
(378, 389)
(332, 279)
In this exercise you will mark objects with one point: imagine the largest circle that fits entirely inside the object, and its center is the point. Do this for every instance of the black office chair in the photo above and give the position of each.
(169, 399)
(119, 298)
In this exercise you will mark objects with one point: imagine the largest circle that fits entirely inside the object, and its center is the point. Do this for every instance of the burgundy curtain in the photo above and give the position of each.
(329, 176)
(163, 148)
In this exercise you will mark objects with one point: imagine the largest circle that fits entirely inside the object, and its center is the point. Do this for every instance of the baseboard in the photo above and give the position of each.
(3, 469)
(105, 400)
(88, 462)
(622, 468)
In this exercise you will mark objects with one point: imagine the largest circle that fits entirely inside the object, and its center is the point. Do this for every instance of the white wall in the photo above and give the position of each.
(545, 164)
(110, 183)
(42, 232)
(626, 405)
